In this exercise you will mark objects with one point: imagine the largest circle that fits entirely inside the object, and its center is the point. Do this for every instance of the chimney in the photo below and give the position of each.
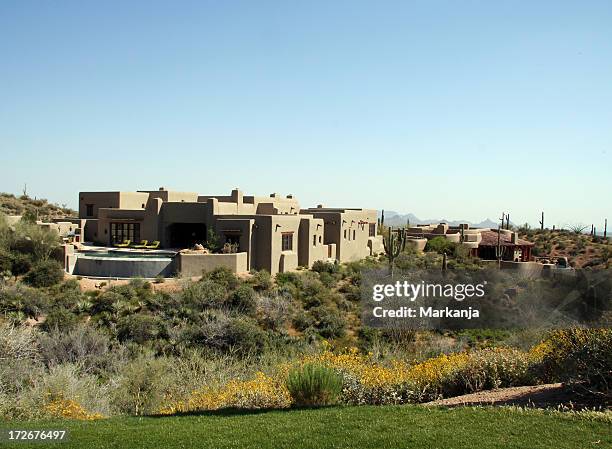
(514, 238)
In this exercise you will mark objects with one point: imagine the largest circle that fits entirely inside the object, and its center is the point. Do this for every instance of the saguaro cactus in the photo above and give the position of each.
(394, 245)
(605, 228)
(542, 222)
(507, 221)
(382, 218)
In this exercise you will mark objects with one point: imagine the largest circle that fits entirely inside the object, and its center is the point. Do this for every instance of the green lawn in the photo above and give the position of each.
(338, 427)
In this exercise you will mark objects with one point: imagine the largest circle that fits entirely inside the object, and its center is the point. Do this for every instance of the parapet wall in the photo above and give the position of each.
(193, 264)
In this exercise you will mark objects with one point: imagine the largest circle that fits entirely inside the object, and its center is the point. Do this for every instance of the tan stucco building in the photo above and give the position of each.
(274, 232)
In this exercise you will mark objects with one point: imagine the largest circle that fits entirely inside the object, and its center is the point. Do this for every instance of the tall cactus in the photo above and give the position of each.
(606, 228)
(394, 245)
(542, 222)
(382, 218)
(507, 221)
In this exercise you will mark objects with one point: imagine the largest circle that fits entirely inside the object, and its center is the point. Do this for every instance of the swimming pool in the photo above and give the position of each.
(108, 263)
(127, 254)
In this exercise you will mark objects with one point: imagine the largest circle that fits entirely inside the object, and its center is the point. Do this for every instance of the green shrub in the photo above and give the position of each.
(45, 274)
(245, 337)
(59, 319)
(205, 294)
(244, 299)
(440, 245)
(580, 357)
(260, 280)
(23, 301)
(314, 385)
(322, 266)
(222, 276)
(329, 322)
(139, 328)
(141, 386)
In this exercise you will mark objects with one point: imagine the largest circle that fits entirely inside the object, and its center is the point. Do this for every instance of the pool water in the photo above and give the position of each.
(128, 254)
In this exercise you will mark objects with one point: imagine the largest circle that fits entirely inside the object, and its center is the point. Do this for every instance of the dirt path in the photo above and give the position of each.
(539, 396)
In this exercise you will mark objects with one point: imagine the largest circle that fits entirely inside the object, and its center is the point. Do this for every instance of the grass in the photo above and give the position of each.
(337, 427)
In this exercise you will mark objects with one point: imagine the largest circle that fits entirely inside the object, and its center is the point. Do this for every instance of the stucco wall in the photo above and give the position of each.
(194, 264)
(123, 267)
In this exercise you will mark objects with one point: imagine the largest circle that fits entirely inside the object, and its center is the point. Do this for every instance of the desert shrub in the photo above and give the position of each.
(245, 337)
(222, 276)
(329, 322)
(322, 266)
(139, 328)
(303, 320)
(44, 274)
(327, 279)
(66, 392)
(580, 357)
(140, 386)
(406, 261)
(243, 299)
(17, 342)
(21, 264)
(204, 294)
(59, 319)
(84, 345)
(260, 280)
(35, 241)
(274, 311)
(289, 278)
(104, 302)
(314, 385)
(440, 245)
(21, 301)
(6, 261)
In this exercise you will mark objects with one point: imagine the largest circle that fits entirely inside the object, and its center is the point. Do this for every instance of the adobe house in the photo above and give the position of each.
(483, 242)
(274, 232)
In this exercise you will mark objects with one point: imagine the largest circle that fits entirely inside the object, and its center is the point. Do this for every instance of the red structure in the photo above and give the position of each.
(511, 247)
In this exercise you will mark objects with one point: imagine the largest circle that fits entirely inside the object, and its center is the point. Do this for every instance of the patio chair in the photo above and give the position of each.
(124, 244)
(141, 245)
(153, 245)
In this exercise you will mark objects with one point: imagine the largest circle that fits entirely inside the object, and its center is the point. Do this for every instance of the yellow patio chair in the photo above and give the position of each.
(124, 244)
(153, 245)
(141, 245)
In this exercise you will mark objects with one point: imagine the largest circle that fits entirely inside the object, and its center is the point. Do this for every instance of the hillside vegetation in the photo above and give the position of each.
(33, 207)
(581, 250)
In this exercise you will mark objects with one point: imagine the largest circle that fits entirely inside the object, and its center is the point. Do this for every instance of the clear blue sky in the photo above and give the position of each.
(459, 109)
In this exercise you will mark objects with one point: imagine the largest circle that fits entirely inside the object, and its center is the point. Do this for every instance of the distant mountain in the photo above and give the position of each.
(393, 218)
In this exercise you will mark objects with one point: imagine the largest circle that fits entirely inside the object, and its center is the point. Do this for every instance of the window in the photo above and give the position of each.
(353, 234)
(89, 211)
(345, 233)
(372, 230)
(125, 231)
(314, 240)
(287, 242)
(319, 239)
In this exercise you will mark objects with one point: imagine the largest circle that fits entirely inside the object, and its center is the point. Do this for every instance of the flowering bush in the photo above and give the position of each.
(261, 392)
(61, 407)
(580, 357)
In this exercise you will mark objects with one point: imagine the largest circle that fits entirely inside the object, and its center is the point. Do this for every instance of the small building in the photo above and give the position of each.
(507, 242)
